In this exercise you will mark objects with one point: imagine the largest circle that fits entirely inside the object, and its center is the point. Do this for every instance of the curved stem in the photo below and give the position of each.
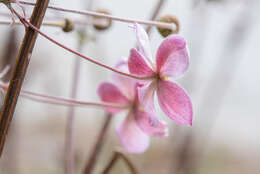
(60, 100)
(28, 24)
(91, 13)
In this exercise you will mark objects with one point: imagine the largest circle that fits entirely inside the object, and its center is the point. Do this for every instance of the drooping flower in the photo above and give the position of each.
(172, 60)
(139, 124)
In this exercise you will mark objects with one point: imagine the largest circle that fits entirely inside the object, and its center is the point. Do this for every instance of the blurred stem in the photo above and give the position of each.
(212, 101)
(10, 160)
(97, 147)
(115, 158)
(156, 11)
(59, 23)
(69, 137)
(71, 112)
(18, 75)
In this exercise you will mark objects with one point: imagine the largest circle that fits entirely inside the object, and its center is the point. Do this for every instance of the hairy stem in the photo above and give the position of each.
(26, 23)
(20, 68)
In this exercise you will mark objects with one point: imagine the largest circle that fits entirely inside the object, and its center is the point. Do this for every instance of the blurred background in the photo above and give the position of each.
(223, 38)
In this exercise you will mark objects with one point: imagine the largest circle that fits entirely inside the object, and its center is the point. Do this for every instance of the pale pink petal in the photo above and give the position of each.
(143, 42)
(137, 65)
(172, 57)
(111, 94)
(149, 123)
(175, 102)
(125, 84)
(146, 96)
(133, 139)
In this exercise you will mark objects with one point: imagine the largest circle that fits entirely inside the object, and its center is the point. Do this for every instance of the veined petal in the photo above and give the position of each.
(149, 123)
(137, 65)
(133, 139)
(125, 84)
(143, 42)
(146, 96)
(111, 94)
(172, 58)
(175, 102)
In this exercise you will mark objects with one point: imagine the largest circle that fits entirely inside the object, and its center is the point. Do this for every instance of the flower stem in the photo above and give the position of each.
(97, 147)
(20, 68)
(43, 98)
(91, 13)
(69, 136)
(28, 24)
(156, 11)
(115, 158)
(59, 23)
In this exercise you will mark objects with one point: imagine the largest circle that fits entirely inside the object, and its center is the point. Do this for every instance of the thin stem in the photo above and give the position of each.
(50, 23)
(114, 159)
(20, 68)
(43, 98)
(111, 163)
(28, 24)
(156, 11)
(97, 147)
(69, 136)
(60, 23)
(91, 13)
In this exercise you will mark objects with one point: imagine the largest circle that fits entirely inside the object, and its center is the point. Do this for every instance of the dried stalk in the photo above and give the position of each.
(22, 62)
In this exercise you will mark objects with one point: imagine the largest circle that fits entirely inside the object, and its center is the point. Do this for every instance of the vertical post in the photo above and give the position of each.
(20, 68)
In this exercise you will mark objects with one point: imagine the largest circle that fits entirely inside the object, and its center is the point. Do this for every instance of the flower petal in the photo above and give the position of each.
(131, 136)
(149, 123)
(172, 57)
(175, 102)
(137, 65)
(143, 42)
(110, 93)
(125, 84)
(146, 96)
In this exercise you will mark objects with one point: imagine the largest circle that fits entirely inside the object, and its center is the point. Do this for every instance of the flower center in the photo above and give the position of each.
(158, 76)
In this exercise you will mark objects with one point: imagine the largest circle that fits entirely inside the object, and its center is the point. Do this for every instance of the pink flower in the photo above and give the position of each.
(172, 60)
(135, 129)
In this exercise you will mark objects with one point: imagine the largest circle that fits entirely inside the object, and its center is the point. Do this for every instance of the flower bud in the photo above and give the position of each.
(100, 23)
(68, 26)
(169, 19)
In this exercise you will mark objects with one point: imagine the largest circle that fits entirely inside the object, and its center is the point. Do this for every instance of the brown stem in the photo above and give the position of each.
(114, 159)
(17, 78)
(93, 156)
(156, 11)
(112, 162)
